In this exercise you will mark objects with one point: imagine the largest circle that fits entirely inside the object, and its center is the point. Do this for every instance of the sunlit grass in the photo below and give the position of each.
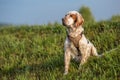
(36, 53)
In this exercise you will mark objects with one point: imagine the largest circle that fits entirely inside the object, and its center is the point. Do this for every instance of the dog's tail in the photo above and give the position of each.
(106, 52)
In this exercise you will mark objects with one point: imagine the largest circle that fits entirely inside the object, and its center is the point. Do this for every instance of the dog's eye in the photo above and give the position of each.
(71, 15)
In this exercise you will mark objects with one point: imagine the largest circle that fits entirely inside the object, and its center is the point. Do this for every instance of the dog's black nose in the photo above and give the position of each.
(62, 19)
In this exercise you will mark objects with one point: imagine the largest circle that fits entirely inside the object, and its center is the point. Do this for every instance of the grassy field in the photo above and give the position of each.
(36, 53)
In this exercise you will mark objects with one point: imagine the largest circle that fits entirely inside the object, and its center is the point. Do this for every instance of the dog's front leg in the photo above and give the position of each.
(67, 57)
(85, 54)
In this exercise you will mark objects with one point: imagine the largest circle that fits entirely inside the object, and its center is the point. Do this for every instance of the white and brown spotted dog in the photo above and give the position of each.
(76, 45)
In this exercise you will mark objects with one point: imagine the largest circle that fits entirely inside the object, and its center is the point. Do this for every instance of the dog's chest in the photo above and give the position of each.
(75, 52)
(75, 40)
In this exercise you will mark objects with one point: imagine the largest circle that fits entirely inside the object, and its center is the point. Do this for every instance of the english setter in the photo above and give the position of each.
(76, 45)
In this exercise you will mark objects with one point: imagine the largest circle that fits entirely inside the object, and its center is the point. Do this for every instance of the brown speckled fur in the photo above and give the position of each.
(85, 48)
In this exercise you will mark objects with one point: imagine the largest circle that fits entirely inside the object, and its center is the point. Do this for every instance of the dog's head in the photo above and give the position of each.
(73, 18)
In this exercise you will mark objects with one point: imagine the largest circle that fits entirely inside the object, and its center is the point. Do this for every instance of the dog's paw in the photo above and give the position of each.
(80, 67)
(65, 73)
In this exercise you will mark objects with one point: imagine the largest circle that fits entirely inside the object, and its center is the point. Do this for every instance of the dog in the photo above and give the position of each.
(76, 45)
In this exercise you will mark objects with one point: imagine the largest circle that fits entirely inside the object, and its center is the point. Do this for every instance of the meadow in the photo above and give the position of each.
(36, 52)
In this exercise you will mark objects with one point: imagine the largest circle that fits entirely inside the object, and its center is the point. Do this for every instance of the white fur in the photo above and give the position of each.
(70, 21)
(73, 12)
(86, 48)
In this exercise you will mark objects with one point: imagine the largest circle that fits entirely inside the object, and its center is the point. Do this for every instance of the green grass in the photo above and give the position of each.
(36, 53)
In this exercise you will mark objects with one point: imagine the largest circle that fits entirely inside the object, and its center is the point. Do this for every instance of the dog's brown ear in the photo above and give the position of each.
(79, 21)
